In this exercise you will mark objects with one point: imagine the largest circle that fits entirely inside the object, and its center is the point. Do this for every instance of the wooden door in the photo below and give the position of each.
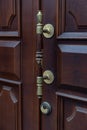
(65, 54)
(17, 78)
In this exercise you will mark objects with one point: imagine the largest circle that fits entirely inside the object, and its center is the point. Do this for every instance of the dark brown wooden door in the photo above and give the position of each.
(17, 78)
(65, 54)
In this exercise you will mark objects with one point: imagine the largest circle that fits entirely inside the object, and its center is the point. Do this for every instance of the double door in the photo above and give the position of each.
(64, 54)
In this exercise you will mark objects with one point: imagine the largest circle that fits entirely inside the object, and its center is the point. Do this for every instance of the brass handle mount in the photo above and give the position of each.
(47, 30)
(48, 77)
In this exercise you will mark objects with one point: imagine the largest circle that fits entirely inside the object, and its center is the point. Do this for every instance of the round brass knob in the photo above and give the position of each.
(48, 77)
(48, 30)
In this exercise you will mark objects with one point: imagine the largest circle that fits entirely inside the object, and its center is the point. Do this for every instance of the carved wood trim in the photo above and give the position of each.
(10, 108)
(7, 12)
(71, 106)
(61, 33)
(11, 65)
(77, 109)
(72, 64)
(72, 95)
(10, 18)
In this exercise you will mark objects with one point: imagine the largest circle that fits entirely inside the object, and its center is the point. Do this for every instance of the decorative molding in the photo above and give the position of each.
(7, 13)
(10, 18)
(72, 95)
(68, 25)
(71, 108)
(75, 49)
(72, 64)
(11, 94)
(10, 104)
(10, 66)
(77, 109)
(73, 35)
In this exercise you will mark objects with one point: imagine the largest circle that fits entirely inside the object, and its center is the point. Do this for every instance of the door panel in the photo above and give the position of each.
(10, 18)
(10, 62)
(72, 110)
(72, 65)
(71, 19)
(17, 65)
(75, 15)
(10, 104)
(10, 51)
(65, 55)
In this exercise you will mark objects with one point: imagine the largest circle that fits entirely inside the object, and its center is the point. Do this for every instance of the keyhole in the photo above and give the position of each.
(46, 108)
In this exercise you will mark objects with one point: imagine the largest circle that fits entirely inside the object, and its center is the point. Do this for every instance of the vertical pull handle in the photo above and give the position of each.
(48, 31)
(39, 54)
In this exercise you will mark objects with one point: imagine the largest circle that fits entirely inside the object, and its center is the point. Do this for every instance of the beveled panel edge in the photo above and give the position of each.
(11, 66)
(73, 35)
(9, 34)
(10, 43)
(9, 82)
(72, 95)
(77, 49)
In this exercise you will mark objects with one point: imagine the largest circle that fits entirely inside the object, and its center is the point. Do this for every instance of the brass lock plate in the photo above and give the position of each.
(48, 30)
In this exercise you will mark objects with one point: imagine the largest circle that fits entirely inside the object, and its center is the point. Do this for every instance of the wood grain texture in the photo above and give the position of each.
(17, 65)
(71, 28)
(74, 110)
(10, 51)
(71, 19)
(73, 64)
(10, 105)
(9, 18)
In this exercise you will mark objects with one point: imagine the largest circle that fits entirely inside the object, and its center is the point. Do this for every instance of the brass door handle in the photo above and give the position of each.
(47, 30)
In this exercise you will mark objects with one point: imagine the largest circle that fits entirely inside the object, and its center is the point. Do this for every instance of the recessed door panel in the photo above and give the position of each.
(10, 51)
(72, 111)
(9, 18)
(72, 65)
(10, 105)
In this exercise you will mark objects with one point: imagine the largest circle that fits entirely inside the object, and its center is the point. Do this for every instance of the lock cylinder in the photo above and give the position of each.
(46, 108)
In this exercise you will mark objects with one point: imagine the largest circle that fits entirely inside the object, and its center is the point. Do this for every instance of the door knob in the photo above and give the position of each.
(45, 108)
